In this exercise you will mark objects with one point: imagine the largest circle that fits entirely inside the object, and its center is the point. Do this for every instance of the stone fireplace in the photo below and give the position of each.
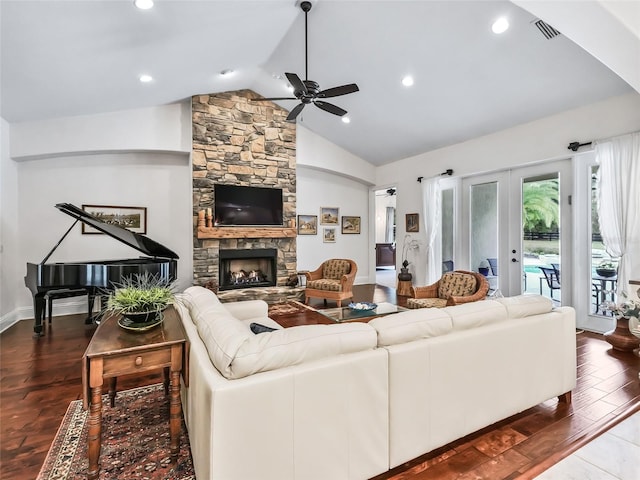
(247, 268)
(237, 142)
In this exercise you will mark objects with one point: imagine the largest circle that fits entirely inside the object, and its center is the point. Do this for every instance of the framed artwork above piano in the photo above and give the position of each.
(131, 218)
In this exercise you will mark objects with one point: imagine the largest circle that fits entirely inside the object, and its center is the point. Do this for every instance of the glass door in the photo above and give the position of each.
(517, 229)
(541, 231)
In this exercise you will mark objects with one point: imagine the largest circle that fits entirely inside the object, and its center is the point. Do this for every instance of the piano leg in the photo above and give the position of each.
(38, 312)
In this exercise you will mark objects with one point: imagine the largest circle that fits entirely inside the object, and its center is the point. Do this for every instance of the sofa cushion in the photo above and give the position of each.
(411, 325)
(292, 346)
(223, 335)
(522, 306)
(335, 268)
(201, 303)
(426, 302)
(476, 314)
(456, 284)
(325, 284)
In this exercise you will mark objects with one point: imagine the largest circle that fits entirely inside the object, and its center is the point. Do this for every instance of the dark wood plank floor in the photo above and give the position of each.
(40, 377)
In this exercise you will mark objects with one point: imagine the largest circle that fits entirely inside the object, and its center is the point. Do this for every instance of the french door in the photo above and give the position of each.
(517, 229)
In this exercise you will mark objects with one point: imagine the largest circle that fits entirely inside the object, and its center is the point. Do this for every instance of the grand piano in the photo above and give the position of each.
(97, 277)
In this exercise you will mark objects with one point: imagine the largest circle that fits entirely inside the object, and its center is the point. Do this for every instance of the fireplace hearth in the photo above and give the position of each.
(247, 268)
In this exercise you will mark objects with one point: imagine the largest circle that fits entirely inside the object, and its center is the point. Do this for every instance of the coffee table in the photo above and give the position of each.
(346, 314)
(311, 316)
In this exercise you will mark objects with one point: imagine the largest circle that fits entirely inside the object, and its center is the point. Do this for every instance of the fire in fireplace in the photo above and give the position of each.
(247, 268)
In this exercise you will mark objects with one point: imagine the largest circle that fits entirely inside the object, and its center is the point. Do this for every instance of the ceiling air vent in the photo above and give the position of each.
(547, 30)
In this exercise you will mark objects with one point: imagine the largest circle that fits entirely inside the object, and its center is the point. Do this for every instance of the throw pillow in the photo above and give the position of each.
(259, 328)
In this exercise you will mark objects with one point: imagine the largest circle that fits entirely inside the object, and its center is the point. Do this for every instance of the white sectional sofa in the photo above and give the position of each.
(352, 400)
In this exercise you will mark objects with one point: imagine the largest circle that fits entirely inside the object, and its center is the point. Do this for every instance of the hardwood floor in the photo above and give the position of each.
(40, 377)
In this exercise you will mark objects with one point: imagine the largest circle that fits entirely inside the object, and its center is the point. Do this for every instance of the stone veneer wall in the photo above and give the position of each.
(237, 142)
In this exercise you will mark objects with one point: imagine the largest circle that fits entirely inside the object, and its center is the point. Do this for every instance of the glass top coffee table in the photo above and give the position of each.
(346, 314)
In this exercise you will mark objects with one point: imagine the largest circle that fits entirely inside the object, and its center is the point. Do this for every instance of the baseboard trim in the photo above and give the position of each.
(26, 313)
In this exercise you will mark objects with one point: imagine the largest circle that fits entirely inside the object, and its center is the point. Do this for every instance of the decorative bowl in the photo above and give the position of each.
(362, 306)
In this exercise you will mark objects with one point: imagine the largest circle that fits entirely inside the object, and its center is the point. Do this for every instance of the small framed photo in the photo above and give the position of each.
(307, 224)
(329, 215)
(131, 218)
(329, 235)
(350, 225)
(413, 224)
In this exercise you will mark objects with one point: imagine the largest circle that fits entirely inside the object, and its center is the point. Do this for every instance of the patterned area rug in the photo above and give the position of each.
(288, 308)
(135, 440)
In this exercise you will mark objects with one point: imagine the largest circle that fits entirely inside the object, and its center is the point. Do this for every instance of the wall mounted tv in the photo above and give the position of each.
(239, 205)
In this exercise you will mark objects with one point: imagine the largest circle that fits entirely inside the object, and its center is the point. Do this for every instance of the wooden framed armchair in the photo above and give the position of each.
(333, 280)
(453, 288)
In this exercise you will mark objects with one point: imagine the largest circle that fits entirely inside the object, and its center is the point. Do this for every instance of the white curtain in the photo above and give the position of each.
(431, 213)
(389, 237)
(618, 186)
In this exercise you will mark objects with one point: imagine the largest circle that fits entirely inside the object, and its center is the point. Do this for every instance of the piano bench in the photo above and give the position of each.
(66, 293)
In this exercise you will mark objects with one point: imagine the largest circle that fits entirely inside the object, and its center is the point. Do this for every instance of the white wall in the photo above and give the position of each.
(159, 129)
(317, 189)
(10, 277)
(541, 140)
(159, 182)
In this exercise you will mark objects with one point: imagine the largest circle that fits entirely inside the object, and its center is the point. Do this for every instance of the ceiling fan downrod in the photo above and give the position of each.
(306, 6)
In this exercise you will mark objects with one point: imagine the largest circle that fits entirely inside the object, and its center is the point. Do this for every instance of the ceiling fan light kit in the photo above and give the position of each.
(308, 91)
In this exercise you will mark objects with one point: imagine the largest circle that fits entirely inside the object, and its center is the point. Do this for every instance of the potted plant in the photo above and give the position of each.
(140, 300)
(608, 268)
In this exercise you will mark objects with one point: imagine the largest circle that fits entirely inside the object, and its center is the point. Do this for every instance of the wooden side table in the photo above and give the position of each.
(114, 351)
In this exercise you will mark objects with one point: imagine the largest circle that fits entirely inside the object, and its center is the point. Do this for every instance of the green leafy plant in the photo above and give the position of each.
(140, 293)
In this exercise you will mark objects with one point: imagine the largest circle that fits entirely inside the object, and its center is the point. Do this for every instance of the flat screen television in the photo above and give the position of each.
(240, 205)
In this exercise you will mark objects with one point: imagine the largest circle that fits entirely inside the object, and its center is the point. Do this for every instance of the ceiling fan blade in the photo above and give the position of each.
(330, 107)
(337, 91)
(272, 98)
(295, 112)
(299, 87)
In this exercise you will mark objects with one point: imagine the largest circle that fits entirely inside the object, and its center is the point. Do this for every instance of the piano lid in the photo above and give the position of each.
(136, 240)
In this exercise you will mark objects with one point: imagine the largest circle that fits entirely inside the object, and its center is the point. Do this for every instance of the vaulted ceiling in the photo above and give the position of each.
(65, 58)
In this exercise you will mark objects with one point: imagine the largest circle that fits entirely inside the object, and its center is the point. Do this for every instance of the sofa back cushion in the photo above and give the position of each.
(522, 306)
(335, 268)
(411, 325)
(456, 284)
(292, 346)
(476, 314)
(201, 303)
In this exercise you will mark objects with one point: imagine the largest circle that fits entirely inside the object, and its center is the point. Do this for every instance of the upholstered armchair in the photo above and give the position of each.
(333, 280)
(453, 288)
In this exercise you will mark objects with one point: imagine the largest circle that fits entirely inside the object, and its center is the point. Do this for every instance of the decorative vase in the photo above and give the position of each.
(484, 271)
(620, 338)
(404, 274)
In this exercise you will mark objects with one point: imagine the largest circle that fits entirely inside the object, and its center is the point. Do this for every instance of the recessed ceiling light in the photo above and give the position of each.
(407, 81)
(146, 78)
(500, 25)
(143, 4)
(226, 72)
(346, 119)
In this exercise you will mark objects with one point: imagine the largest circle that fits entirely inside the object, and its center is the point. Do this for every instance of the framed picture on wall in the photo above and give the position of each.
(350, 225)
(413, 224)
(131, 218)
(329, 215)
(307, 224)
(329, 235)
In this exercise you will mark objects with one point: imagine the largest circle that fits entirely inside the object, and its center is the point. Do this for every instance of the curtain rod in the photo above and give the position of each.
(448, 172)
(576, 145)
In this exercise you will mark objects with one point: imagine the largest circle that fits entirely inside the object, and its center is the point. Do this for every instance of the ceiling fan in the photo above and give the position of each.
(308, 91)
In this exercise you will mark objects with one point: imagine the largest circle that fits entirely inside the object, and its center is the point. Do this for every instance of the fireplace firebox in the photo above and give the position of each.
(247, 268)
